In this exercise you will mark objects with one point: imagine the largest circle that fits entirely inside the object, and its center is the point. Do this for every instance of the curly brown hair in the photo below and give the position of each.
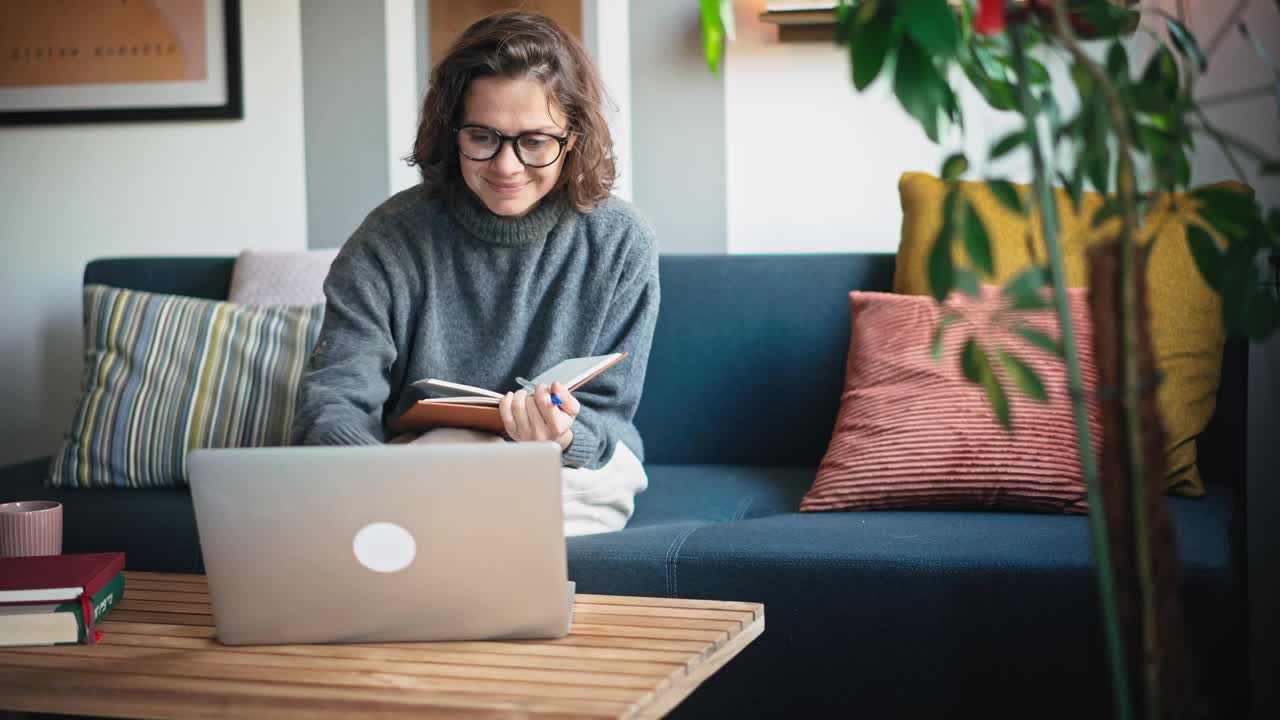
(513, 44)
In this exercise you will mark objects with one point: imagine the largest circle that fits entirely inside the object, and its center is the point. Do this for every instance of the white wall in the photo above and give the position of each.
(404, 94)
(73, 193)
(610, 45)
(813, 166)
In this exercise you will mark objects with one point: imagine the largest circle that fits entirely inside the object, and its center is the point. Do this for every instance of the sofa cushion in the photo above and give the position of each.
(265, 277)
(155, 529)
(1187, 334)
(167, 373)
(914, 433)
(718, 493)
(982, 610)
(731, 324)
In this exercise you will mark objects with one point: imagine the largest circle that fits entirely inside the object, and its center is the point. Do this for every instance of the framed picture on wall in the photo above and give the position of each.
(75, 61)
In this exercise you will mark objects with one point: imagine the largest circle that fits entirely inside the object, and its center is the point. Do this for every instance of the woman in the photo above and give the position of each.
(509, 257)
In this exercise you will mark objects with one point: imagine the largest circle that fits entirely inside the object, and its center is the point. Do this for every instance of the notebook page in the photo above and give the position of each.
(574, 370)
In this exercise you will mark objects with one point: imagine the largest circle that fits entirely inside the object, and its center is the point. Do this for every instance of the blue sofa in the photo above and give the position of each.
(874, 614)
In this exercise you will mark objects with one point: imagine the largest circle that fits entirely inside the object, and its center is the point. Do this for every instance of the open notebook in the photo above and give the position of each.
(468, 406)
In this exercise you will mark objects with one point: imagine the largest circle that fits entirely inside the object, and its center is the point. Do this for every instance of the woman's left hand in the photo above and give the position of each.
(534, 417)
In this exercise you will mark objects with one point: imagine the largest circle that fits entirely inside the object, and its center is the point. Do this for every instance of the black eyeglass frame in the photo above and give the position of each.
(515, 144)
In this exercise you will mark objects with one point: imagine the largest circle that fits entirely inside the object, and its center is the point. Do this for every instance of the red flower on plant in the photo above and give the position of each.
(990, 18)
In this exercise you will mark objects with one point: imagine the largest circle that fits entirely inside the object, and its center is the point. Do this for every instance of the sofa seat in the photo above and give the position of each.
(866, 599)
(718, 493)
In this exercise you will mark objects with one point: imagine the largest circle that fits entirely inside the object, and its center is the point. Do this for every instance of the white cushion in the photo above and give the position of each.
(280, 277)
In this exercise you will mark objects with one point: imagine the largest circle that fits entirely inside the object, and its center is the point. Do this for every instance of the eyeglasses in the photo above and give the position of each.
(533, 149)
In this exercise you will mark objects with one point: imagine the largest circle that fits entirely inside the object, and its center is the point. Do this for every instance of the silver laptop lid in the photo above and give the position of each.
(382, 544)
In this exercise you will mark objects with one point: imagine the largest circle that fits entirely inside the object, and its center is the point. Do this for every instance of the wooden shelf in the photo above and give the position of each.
(799, 17)
(803, 25)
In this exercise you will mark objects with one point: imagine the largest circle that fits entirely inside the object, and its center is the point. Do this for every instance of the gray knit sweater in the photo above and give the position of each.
(428, 287)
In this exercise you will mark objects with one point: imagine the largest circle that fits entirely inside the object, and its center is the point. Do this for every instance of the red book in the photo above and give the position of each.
(56, 578)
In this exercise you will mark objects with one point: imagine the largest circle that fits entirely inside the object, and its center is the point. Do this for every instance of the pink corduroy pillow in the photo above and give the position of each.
(912, 433)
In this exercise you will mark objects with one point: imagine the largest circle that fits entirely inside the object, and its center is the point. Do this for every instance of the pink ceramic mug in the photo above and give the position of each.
(30, 527)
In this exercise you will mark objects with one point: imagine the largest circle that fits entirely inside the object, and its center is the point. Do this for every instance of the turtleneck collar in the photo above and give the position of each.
(484, 225)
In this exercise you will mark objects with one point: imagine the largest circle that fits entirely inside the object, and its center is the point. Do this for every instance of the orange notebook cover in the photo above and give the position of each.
(480, 415)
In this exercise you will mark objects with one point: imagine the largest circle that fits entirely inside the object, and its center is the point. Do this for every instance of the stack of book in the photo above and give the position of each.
(58, 599)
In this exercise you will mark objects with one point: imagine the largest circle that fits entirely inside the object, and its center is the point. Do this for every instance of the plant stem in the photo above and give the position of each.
(1129, 388)
(1097, 516)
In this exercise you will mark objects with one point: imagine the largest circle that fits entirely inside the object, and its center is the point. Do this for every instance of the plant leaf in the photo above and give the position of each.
(996, 394)
(935, 346)
(1041, 340)
(846, 23)
(1159, 86)
(1186, 44)
(933, 25)
(1082, 79)
(1181, 168)
(1118, 64)
(1098, 165)
(869, 48)
(1098, 19)
(1208, 257)
(972, 361)
(941, 267)
(1023, 377)
(1031, 302)
(1239, 280)
(713, 33)
(1074, 187)
(1007, 143)
(1004, 191)
(976, 242)
(999, 94)
(1037, 73)
(918, 86)
(1229, 212)
(1159, 145)
(1025, 287)
(955, 166)
(1111, 208)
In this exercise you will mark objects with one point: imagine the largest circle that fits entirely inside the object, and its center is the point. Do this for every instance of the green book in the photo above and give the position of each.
(57, 623)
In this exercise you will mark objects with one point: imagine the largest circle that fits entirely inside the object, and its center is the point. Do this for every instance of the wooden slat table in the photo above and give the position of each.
(627, 657)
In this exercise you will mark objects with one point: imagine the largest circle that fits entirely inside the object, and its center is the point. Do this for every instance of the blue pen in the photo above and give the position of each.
(531, 389)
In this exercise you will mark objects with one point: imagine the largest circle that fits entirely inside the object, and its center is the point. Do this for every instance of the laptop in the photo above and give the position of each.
(384, 543)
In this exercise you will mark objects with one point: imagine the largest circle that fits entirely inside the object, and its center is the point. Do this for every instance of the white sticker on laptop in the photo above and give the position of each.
(384, 547)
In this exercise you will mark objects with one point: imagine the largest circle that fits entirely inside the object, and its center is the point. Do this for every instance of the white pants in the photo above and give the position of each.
(593, 501)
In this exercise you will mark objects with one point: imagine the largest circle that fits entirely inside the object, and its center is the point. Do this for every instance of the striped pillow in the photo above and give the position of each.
(168, 373)
(912, 433)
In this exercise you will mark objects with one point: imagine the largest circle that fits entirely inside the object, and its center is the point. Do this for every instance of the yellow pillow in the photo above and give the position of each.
(1186, 315)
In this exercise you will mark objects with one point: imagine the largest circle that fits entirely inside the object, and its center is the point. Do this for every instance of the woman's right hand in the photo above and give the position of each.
(535, 418)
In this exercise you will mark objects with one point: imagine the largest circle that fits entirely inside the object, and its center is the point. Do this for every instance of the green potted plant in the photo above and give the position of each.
(1129, 141)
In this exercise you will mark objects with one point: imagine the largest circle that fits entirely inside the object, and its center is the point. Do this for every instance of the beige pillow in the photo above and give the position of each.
(280, 277)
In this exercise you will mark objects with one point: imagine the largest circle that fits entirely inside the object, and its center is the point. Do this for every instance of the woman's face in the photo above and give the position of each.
(504, 184)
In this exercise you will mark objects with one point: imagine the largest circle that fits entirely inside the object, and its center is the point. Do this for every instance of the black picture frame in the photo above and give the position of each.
(231, 109)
